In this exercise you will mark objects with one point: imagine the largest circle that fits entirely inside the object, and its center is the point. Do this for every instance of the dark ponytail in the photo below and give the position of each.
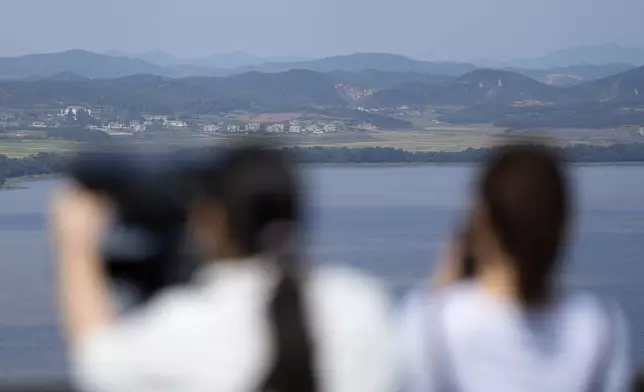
(259, 192)
(293, 369)
(526, 200)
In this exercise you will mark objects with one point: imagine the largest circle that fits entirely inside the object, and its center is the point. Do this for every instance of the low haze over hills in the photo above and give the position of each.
(589, 54)
(228, 60)
(364, 61)
(158, 57)
(573, 74)
(376, 79)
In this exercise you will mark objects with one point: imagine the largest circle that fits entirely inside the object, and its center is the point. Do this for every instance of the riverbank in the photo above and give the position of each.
(46, 165)
(17, 183)
(20, 182)
(466, 164)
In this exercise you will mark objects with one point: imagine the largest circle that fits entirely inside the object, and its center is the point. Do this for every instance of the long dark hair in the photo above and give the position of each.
(526, 199)
(259, 191)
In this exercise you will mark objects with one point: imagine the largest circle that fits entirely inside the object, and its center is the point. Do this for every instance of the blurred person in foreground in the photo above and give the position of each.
(256, 319)
(496, 317)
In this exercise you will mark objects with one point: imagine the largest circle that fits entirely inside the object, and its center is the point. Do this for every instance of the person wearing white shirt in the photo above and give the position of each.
(255, 318)
(495, 318)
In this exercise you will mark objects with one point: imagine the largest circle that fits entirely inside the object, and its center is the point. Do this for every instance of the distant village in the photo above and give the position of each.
(90, 119)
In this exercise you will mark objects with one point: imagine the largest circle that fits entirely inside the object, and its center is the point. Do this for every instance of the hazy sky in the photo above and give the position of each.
(429, 29)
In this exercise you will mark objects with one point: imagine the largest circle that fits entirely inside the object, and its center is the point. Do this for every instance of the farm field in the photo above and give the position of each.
(21, 148)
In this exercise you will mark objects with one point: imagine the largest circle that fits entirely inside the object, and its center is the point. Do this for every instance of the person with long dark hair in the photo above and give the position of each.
(496, 317)
(256, 319)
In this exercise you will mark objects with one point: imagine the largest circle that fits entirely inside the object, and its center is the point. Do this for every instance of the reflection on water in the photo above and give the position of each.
(389, 221)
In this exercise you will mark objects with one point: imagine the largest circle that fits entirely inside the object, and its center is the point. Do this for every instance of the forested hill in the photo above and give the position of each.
(509, 99)
(476, 87)
(498, 87)
(158, 94)
(48, 163)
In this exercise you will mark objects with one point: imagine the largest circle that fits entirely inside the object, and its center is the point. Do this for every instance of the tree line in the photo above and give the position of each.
(53, 163)
(375, 155)
(39, 164)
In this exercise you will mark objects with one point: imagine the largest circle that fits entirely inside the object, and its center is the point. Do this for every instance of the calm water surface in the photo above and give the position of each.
(389, 221)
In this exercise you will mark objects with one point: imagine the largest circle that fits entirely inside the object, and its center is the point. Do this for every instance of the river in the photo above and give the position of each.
(387, 220)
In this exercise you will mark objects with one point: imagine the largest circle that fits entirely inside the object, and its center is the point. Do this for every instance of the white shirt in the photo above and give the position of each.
(465, 340)
(215, 335)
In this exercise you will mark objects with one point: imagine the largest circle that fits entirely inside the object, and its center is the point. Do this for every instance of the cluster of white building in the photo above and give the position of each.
(308, 127)
(74, 110)
(117, 128)
(294, 127)
(151, 119)
(137, 126)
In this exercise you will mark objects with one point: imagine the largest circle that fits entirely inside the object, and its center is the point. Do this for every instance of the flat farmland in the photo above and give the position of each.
(458, 138)
(18, 148)
(429, 139)
(439, 137)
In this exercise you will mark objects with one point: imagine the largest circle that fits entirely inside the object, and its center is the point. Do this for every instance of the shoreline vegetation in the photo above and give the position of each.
(47, 165)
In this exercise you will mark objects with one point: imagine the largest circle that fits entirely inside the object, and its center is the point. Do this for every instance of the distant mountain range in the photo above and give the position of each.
(115, 64)
(365, 61)
(376, 70)
(304, 88)
(158, 94)
(80, 62)
(228, 60)
(597, 55)
(157, 57)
